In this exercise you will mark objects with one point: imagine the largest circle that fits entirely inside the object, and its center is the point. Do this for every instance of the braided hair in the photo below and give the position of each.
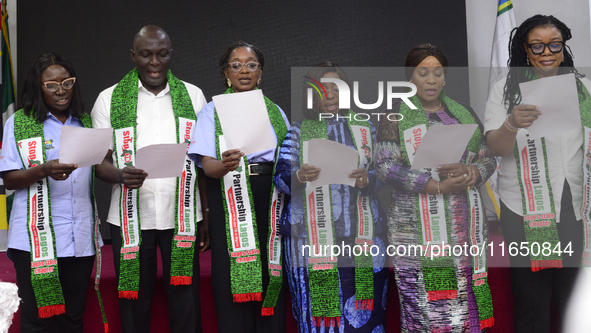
(518, 62)
(226, 57)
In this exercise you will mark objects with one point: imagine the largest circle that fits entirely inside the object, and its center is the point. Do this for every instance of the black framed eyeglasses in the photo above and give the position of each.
(53, 86)
(539, 48)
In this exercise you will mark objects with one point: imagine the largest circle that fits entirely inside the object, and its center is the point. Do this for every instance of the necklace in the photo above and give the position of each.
(439, 107)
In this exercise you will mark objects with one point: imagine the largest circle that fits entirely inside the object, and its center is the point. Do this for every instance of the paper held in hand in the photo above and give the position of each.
(336, 161)
(558, 99)
(162, 160)
(245, 121)
(442, 145)
(84, 146)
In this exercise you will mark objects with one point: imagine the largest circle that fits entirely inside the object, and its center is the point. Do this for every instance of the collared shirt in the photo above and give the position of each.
(72, 212)
(203, 141)
(155, 125)
(564, 153)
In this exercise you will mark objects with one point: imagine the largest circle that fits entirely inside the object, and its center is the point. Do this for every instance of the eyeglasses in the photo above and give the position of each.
(335, 91)
(53, 86)
(237, 66)
(539, 48)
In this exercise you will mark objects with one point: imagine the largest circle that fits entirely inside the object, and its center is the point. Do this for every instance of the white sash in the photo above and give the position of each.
(42, 251)
(128, 210)
(431, 206)
(239, 209)
(186, 185)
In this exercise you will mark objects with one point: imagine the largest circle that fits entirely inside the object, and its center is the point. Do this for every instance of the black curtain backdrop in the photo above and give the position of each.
(96, 37)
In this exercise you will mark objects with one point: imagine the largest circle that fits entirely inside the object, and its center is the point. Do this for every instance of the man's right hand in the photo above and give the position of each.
(132, 178)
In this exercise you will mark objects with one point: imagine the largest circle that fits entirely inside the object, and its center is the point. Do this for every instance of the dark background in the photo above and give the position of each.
(96, 37)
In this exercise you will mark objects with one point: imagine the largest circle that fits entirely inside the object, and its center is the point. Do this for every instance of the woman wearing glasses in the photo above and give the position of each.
(247, 286)
(542, 180)
(52, 237)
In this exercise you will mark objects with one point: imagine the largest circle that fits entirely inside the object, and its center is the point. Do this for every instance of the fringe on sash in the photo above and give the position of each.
(241, 298)
(366, 304)
(442, 294)
(181, 280)
(326, 321)
(128, 294)
(486, 323)
(265, 312)
(538, 265)
(52, 310)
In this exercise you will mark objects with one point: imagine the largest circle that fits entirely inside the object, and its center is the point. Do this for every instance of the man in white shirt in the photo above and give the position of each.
(157, 120)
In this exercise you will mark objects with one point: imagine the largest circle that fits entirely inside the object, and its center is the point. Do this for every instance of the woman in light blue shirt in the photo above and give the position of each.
(52, 238)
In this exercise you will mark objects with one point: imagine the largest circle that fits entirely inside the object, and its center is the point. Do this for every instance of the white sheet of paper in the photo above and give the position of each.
(335, 159)
(443, 145)
(557, 98)
(84, 146)
(162, 161)
(245, 121)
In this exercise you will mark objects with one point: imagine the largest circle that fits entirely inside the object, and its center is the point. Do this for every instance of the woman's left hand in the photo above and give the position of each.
(452, 170)
(361, 175)
(458, 169)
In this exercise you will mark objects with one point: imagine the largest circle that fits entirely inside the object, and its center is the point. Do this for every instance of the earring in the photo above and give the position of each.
(259, 81)
(443, 83)
(229, 83)
(527, 61)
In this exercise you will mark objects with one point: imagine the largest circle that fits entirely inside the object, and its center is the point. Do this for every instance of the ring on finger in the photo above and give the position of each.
(306, 177)
(64, 175)
(468, 189)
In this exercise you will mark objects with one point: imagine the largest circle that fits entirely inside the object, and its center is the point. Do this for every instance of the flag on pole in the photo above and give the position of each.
(8, 99)
(498, 70)
(500, 48)
(8, 92)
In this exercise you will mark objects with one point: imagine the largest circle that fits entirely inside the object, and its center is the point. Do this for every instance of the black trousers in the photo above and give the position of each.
(241, 317)
(184, 303)
(533, 291)
(74, 274)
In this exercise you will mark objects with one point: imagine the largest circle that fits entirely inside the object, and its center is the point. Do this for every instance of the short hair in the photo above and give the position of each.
(316, 73)
(31, 98)
(518, 61)
(226, 57)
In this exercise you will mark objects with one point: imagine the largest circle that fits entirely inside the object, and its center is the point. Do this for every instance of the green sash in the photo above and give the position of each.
(29, 136)
(241, 224)
(432, 210)
(124, 121)
(539, 213)
(322, 269)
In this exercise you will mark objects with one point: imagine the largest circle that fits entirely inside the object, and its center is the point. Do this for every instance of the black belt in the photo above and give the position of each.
(260, 169)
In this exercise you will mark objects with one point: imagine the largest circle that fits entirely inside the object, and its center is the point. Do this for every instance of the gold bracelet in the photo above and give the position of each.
(511, 127)
(438, 191)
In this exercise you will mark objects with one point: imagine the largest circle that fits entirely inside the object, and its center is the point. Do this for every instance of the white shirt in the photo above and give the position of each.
(564, 153)
(156, 124)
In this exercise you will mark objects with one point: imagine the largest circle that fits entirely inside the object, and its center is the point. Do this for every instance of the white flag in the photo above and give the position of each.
(498, 70)
(500, 48)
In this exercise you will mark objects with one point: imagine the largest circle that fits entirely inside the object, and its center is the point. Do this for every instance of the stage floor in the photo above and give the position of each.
(498, 280)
